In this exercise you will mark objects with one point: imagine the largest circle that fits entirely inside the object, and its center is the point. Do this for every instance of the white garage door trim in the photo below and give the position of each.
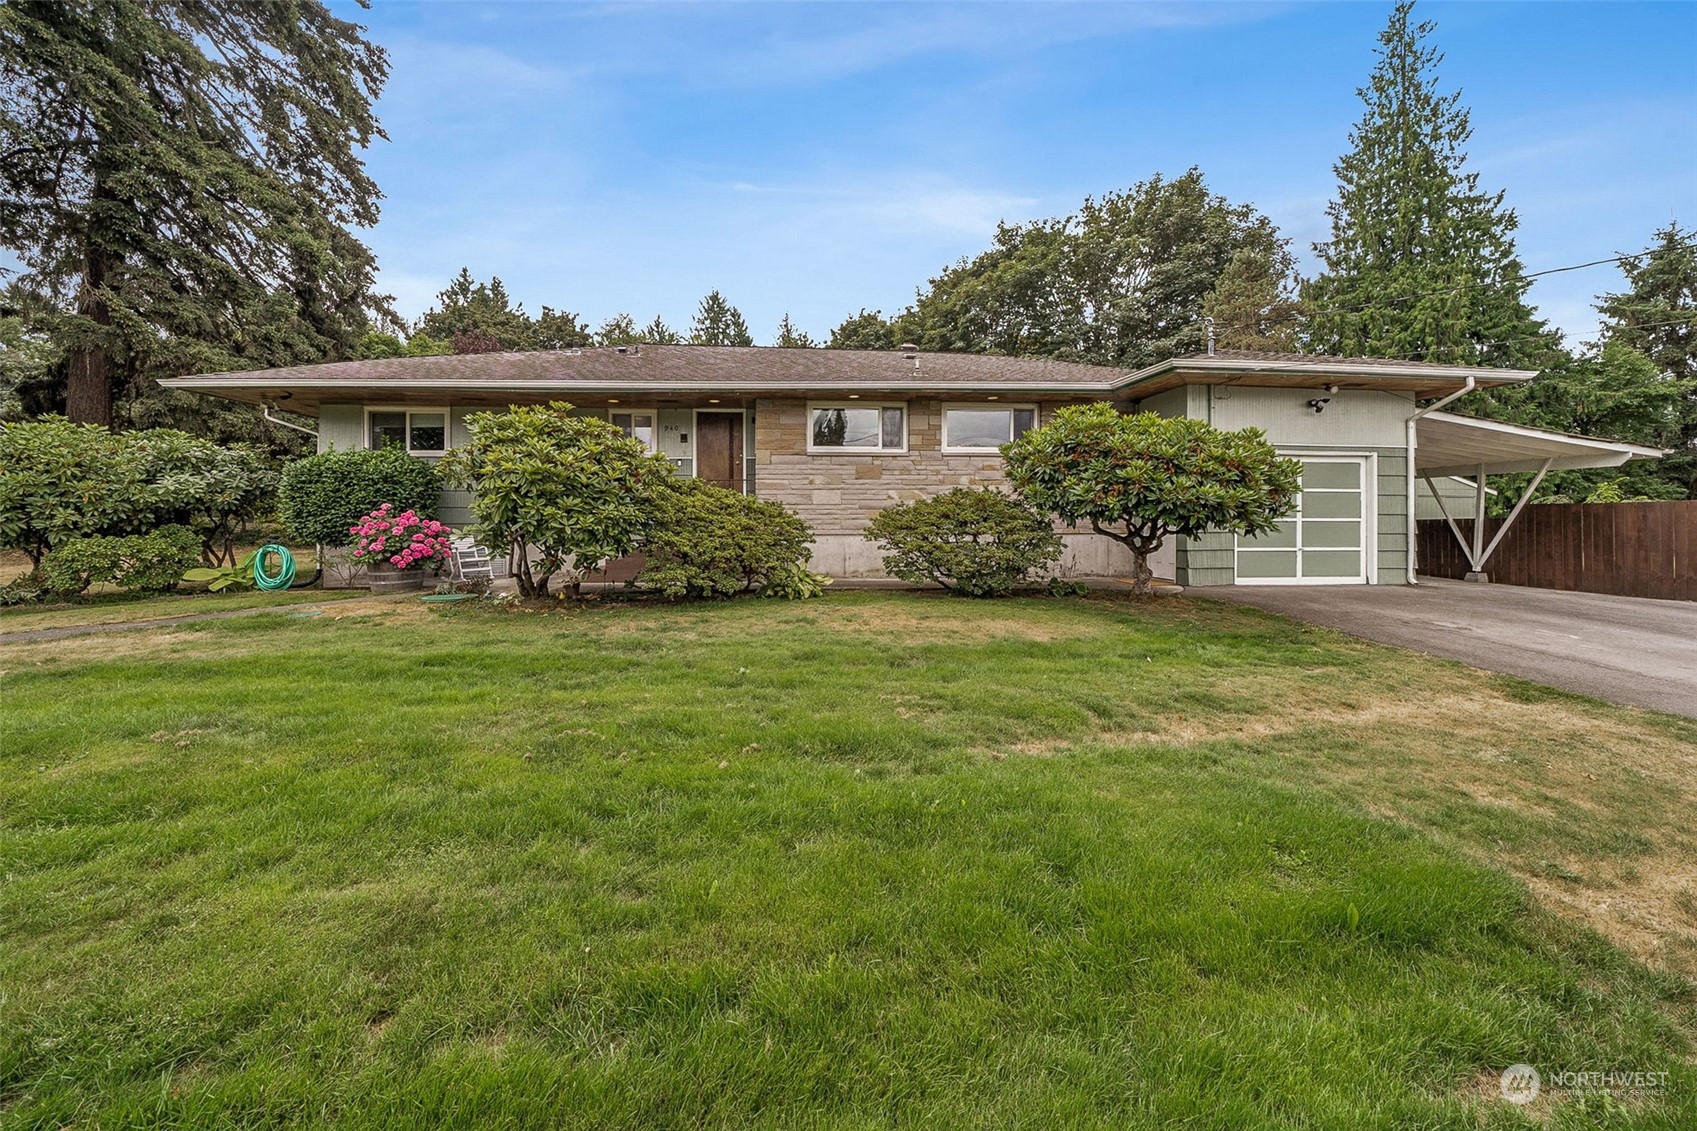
(1367, 489)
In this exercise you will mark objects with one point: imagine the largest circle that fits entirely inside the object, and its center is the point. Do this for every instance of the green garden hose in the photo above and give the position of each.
(285, 575)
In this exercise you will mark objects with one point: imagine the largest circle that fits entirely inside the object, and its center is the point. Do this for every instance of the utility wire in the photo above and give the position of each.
(1688, 320)
(1680, 246)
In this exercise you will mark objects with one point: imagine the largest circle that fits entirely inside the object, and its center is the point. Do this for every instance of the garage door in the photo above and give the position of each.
(1325, 541)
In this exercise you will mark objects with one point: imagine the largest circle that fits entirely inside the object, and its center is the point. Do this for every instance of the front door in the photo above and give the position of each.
(718, 448)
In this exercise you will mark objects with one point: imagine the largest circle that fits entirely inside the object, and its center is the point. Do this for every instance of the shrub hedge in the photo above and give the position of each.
(711, 542)
(148, 563)
(321, 497)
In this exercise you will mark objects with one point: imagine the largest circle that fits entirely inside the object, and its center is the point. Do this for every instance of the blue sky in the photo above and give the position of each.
(817, 158)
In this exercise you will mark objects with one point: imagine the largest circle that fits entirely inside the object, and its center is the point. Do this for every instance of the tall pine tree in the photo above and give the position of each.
(718, 323)
(1657, 316)
(467, 309)
(790, 337)
(186, 173)
(1421, 264)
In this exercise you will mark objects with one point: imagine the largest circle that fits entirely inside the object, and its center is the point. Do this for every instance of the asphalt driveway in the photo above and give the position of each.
(1623, 649)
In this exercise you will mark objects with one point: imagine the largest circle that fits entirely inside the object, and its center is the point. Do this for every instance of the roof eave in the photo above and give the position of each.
(212, 385)
(1342, 368)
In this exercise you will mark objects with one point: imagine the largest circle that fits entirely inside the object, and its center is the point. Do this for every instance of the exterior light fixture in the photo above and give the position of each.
(612, 400)
(712, 400)
(854, 396)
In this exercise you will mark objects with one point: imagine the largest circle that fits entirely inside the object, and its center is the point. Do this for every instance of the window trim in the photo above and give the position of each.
(814, 450)
(409, 411)
(956, 450)
(637, 410)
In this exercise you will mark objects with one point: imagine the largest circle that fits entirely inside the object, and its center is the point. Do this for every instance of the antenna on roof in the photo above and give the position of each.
(1209, 323)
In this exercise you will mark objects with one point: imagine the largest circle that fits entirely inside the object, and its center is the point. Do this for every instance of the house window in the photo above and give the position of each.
(857, 428)
(984, 428)
(636, 425)
(423, 433)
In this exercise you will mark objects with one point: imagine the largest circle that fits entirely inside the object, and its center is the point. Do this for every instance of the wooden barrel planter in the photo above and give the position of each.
(394, 580)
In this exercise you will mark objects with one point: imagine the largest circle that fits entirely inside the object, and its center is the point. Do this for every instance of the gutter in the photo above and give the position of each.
(1413, 528)
(206, 385)
(265, 411)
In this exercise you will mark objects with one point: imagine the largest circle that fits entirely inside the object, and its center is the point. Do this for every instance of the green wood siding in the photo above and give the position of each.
(340, 427)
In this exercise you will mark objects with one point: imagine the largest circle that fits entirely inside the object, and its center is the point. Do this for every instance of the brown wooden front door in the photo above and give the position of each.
(718, 448)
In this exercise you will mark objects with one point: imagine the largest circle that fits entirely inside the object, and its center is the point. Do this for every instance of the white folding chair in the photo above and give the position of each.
(471, 562)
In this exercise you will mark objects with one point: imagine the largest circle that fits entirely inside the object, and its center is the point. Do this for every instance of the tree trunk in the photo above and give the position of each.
(88, 384)
(1141, 573)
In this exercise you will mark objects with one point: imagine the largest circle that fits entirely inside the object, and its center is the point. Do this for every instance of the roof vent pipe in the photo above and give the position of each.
(1209, 324)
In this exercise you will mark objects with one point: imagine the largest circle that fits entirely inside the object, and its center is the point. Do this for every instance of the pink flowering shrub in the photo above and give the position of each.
(399, 541)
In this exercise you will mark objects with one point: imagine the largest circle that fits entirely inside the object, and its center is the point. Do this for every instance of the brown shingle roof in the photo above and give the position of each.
(690, 371)
(720, 367)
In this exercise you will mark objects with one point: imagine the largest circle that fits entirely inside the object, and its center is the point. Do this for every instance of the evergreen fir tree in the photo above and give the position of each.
(559, 330)
(1254, 304)
(789, 337)
(661, 334)
(478, 312)
(718, 323)
(1421, 263)
(1657, 316)
(189, 175)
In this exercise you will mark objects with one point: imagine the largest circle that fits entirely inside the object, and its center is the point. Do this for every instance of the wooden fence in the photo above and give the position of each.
(1631, 549)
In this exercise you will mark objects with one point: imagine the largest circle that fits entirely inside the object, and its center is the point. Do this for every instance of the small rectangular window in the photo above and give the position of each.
(388, 428)
(984, 428)
(893, 428)
(865, 428)
(636, 425)
(427, 431)
(420, 433)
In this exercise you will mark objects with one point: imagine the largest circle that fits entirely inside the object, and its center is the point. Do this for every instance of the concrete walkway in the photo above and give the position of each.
(1623, 649)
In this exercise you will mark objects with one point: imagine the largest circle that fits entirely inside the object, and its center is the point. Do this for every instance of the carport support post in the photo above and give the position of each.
(1477, 558)
(1479, 553)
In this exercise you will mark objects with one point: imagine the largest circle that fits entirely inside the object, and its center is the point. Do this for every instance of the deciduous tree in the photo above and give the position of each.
(868, 330)
(1122, 282)
(1144, 478)
(574, 489)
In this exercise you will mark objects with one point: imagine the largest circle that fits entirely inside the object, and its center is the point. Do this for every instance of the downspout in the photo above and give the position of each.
(1413, 529)
(265, 411)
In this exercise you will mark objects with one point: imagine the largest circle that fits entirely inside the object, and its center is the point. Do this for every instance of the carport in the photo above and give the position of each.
(1452, 445)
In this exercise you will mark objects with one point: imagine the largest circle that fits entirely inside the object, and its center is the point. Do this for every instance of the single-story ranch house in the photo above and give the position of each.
(837, 435)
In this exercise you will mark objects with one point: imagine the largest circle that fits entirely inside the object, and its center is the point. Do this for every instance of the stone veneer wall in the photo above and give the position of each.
(837, 495)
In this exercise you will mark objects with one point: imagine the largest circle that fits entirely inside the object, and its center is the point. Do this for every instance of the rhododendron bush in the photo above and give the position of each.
(399, 541)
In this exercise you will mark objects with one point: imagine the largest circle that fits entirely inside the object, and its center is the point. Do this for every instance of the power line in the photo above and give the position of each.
(1457, 288)
(1688, 320)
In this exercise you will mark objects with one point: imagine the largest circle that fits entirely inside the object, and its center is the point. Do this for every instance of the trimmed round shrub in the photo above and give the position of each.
(980, 542)
(322, 497)
(711, 542)
(147, 563)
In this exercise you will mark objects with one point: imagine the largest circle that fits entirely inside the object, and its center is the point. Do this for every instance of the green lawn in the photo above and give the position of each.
(122, 607)
(874, 860)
